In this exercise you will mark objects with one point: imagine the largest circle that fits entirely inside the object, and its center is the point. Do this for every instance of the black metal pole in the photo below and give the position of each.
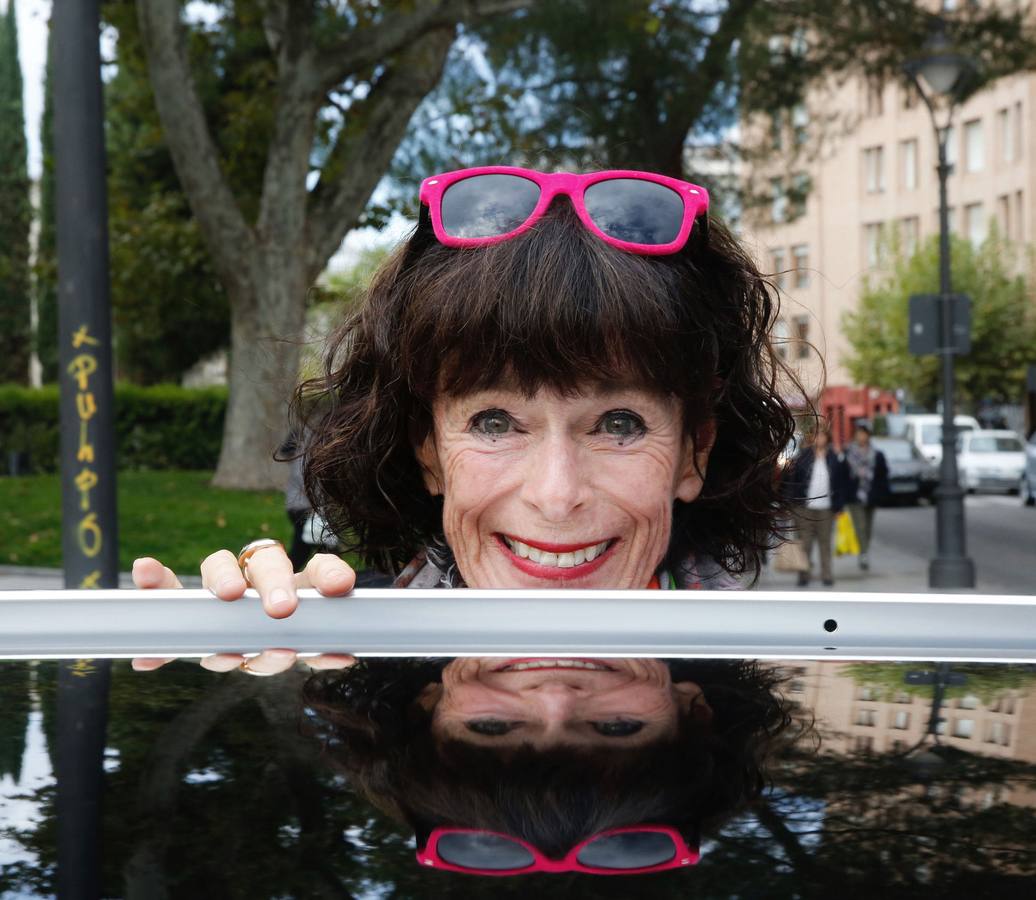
(951, 567)
(87, 411)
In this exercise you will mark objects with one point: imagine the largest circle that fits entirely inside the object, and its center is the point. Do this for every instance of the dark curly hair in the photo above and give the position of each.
(558, 308)
(376, 733)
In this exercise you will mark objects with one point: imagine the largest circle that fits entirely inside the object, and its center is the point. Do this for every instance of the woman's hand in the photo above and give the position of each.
(270, 573)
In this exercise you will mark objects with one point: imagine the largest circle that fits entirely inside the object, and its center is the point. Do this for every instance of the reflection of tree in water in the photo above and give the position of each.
(213, 791)
(15, 704)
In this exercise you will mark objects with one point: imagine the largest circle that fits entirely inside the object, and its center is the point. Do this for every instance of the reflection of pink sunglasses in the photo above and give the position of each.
(618, 851)
(640, 212)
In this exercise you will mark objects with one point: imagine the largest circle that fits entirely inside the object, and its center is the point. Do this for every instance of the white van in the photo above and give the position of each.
(925, 432)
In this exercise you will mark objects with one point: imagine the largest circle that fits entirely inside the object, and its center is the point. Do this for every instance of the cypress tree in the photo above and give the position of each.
(15, 211)
(46, 269)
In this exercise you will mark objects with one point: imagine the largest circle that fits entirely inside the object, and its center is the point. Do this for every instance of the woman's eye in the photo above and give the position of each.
(493, 421)
(492, 727)
(621, 728)
(622, 424)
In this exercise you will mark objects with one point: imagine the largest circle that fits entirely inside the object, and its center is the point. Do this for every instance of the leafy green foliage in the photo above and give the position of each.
(987, 682)
(158, 427)
(15, 211)
(1003, 316)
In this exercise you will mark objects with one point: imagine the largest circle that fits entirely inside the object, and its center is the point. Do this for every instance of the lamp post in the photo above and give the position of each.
(940, 74)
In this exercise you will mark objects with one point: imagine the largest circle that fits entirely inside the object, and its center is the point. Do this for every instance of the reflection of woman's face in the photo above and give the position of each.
(544, 702)
(553, 491)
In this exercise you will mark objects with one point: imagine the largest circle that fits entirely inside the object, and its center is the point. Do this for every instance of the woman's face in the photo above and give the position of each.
(544, 702)
(554, 491)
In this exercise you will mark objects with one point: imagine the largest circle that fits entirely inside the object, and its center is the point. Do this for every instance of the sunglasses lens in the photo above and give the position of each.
(483, 851)
(488, 205)
(640, 212)
(634, 850)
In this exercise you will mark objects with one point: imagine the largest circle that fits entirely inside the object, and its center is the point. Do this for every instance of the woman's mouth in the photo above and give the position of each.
(525, 665)
(551, 560)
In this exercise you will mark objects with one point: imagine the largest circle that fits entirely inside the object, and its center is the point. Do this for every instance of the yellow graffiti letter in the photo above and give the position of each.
(81, 368)
(91, 580)
(81, 337)
(86, 406)
(86, 449)
(90, 536)
(86, 481)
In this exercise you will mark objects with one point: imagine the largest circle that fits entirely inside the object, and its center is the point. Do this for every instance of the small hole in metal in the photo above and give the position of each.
(830, 625)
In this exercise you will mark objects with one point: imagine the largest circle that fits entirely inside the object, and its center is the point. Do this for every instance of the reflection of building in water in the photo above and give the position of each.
(860, 718)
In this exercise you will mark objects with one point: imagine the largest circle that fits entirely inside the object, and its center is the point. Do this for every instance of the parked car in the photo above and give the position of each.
(910, 475)
(924, 431)
(990, 460)
(1027, 485)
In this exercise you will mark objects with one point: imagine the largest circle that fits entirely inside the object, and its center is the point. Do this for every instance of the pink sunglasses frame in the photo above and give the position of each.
(428, 855)
(695, 201)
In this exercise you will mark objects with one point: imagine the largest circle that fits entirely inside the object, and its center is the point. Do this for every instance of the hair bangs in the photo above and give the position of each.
(555, 308)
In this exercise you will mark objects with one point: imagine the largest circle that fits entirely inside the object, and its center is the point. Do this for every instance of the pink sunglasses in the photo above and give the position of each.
(618, 851)
(640, 212)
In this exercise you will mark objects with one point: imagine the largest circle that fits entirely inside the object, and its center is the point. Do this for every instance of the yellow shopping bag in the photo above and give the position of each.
(846, 543)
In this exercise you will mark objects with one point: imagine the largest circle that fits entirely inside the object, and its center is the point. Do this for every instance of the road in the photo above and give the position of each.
(1001, 535)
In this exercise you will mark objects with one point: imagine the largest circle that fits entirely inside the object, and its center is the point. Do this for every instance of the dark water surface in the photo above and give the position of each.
(225, 786)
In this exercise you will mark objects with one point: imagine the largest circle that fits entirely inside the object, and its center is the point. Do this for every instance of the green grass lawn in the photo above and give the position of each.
(172, 515)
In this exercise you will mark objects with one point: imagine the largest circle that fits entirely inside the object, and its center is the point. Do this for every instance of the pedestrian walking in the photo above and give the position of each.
(868, 487)
(816, 488)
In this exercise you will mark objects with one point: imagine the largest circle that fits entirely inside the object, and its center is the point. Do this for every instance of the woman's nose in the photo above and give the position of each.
(555, 479)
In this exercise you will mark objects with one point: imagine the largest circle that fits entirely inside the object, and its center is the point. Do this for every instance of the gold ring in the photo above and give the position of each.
(244, 667)
(253, 547)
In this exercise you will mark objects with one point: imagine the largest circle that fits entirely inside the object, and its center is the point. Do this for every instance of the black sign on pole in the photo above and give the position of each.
(925, 317)
(89, 537)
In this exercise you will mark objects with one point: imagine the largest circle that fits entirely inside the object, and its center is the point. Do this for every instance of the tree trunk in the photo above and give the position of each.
(266, 324)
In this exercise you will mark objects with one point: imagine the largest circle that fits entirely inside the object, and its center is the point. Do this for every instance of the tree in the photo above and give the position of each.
(335, 95)
(658, 85)
(1003, 322)
(15, 211)
(46, 267)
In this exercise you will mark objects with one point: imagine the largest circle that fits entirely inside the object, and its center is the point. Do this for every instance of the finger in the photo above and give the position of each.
(149, 574)
(272, 661)
(222, 662)
(330, 661)
(150, 663)
(271, 574)
(221, 574)
(329, 574)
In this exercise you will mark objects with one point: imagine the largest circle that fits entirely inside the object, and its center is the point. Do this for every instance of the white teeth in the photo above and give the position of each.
(555, 664)
(557, 560)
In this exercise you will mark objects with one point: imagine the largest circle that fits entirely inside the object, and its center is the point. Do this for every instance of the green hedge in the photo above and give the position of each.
(160, 427)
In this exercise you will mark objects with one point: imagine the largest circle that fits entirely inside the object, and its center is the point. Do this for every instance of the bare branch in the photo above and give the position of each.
(190, 143)
(363, 152)
(363, 49)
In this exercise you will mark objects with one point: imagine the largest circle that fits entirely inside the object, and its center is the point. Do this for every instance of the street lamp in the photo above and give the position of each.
(940, 74)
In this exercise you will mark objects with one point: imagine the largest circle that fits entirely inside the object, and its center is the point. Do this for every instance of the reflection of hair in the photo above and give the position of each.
(381, 738)
(555, 307)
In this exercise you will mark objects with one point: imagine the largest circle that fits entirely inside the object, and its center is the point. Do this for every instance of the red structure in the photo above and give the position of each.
(842, 406)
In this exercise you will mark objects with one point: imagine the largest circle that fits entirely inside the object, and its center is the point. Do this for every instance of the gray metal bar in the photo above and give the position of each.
(392, 622)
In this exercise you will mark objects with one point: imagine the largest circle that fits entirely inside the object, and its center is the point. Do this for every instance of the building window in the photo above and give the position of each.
(910, 234)
(863, 743)
(974, 149)
(1003, 215)
(795, 686)
(908, 164)
(975, 223)
(1017, 131)
(781, 337)
(951, 145)
(779, 202)
(778, 268)
(872, 243)
(868, 717)
(901, 719)
(968, 701)
(802, 336)
(874, 169)
(800, 123)
(1019, 217)
(902, 697)
(998, 733)
(908, 96)
(800, 259)
(963, 728)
